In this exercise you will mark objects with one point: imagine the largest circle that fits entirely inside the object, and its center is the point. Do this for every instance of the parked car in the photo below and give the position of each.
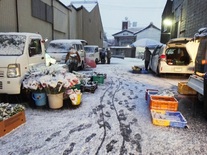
(177, 56)
(59, 48)
(92, 52)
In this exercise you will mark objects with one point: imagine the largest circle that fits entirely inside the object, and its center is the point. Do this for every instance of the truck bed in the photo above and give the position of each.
(196, 83)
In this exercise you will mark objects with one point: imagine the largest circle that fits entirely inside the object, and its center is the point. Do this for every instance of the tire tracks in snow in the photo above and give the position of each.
(124, 125)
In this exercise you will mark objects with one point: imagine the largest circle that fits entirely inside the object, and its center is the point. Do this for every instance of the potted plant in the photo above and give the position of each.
(11, 116)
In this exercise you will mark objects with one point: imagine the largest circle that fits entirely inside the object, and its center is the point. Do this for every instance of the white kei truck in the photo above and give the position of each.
(18, 52)
(198, 80)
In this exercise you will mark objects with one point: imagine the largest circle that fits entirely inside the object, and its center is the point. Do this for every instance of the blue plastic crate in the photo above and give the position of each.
(149, 93)
(176, 119)
(168, 118)
(146, 92)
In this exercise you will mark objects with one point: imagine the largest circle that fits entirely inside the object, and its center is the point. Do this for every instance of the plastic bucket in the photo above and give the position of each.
(39, 98)
(55, 100)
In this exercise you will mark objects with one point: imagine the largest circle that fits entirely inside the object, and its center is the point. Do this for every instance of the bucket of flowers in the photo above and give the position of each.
(34, 88)
(54, 81)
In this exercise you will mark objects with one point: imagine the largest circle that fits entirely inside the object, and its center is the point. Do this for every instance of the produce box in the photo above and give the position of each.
(11, 123)
(100, 74)
(163, 103)
(168, 118)
(184, 89)
(98, 78)
(136, 69)
(89, 87)
(149, 93)
(146, 92)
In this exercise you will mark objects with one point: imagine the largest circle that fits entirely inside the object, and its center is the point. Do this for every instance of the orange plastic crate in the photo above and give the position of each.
(163, 103)
(11, 123)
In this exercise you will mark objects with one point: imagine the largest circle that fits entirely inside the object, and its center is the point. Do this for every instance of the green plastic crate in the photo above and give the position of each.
(99, 79)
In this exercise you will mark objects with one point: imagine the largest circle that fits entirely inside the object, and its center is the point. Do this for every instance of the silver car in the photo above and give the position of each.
(58, 49)
(177, 56)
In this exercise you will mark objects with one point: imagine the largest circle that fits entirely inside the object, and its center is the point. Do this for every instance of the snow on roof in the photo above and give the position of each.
(202, 32)
(68, 41)
(12, 44)
(89, 6)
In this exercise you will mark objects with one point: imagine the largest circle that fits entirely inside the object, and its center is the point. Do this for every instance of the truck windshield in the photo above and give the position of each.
(12, 45)
(58, 47)
(89, 49)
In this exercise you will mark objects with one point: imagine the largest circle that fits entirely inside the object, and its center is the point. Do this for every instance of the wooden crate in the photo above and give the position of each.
(11, 123)
(184, 89)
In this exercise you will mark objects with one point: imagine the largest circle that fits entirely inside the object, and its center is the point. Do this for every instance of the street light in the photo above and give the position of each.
(167, 22)
(168, 26)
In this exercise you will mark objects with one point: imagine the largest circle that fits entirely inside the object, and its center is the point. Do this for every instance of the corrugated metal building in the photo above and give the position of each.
(52, 19)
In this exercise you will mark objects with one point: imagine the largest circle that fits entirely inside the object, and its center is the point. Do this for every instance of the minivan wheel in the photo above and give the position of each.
(158, 72)
(82, 65)
(96, 61)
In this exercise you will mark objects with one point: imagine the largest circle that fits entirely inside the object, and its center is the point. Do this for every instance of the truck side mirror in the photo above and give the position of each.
(45, 40)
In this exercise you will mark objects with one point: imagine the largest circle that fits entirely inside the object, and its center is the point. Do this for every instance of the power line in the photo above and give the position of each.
(127, 7)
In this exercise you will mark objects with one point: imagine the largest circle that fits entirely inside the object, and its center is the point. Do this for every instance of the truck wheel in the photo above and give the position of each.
(205, 108)
(200, 97)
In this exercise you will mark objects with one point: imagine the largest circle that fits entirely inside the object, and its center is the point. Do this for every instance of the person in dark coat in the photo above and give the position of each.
(147, 54)
(108, 55)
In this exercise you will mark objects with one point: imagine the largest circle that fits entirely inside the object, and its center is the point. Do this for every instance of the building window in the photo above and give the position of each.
(42, 11)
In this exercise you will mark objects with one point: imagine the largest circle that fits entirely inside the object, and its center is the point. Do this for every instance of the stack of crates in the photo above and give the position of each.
(164, 109)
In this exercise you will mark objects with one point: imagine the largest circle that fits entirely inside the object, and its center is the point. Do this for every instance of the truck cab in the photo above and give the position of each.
(198, 80)
(18, 53)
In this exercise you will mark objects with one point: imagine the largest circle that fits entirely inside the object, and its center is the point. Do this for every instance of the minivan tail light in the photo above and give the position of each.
(13, 70)
(162, 57)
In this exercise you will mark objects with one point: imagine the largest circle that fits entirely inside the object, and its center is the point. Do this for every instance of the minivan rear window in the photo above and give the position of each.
(58, 48)
(177, 56)
(12, 45)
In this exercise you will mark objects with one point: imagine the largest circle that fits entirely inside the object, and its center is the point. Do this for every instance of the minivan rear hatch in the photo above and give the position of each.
(188, 43)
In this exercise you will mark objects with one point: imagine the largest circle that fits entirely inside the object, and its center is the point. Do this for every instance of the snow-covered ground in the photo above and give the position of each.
(114, 120)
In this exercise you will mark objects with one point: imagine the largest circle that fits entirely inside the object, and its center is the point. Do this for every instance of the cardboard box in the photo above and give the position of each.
(184, 89)
(11, 123)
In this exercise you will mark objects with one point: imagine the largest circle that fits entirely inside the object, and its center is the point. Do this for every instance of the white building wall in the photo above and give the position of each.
(150, 33)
